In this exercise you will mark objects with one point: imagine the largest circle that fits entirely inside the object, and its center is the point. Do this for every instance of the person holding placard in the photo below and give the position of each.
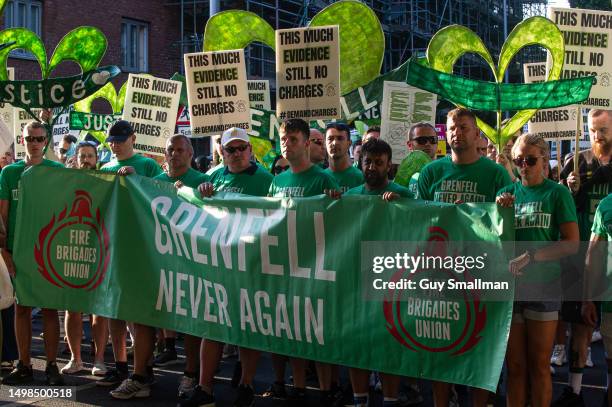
(35, 139)
(337, 142)
(589, 186)
(545, 220)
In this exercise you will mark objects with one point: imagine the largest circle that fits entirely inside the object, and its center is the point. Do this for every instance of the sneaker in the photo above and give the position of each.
(19, 375)
(246, 396)
(569, 399)
(7, 366)
(186, 386)
(54, 378)
(559, 357)
(198, 398)
(275, 391)
(410, 396)
(166, 358)
(131, 388)
(596, 336)
(589, 361)
(112, 378)
(72, 367)
(99, 369)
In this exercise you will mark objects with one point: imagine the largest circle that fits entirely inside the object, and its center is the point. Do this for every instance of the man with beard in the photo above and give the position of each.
(338, 141)
(592, 184)
(465, 176)
(317, 148)
(421, 136)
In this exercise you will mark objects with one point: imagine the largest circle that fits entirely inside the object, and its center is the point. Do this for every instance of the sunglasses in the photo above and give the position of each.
(530, 161)
(280, 168)
(317, 141)
(37, 139)
(426, 139)
(232, 150)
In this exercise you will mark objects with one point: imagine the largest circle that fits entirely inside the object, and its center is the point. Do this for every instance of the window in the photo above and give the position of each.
(23, 14)
(134, 46)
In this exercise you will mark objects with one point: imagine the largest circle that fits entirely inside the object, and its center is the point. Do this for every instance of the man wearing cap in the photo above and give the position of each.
(121, 139)
(239, 175)
(35, 139)
(338, 141)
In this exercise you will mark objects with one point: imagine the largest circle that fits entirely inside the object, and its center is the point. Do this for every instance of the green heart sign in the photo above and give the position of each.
(362, 42)
(450, 43)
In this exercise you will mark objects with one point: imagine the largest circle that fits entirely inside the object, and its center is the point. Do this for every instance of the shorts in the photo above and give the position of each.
(606, 332)
(535, 311)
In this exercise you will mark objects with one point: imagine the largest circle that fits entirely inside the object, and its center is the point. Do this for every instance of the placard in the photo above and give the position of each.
(259, 94)
(308, 73)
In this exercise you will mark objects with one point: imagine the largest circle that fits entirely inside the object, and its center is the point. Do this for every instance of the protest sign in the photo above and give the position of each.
(259, 94)
(6, 117)
(441, 132)
(150, 106)
(588, 50)
(402, 106)
(92, 121)
(217, 91)
(308, 73)
(20, 119)
(291, 287)
(61, 124)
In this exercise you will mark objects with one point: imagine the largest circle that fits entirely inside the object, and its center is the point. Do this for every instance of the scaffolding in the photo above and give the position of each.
(408, 26)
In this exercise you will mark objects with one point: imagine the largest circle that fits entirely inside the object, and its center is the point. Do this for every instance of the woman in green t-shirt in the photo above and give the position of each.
(545, 221)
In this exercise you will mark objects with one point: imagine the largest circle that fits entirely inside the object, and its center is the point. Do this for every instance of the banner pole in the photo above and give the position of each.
(578, 133)
(559, 158)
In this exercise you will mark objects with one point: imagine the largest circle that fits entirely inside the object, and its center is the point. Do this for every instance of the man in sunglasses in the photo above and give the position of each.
(421, 136)
(317, 148)
(465, 176)
(338, 141)
(239, 175)
(589, 186)
(35, 139)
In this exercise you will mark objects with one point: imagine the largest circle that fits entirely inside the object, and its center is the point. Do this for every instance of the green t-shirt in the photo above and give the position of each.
(413, 183)
(191, 178)
(255, 181)
(9, 191)
(595, 193)
(145, 166)
(602, 226)
(538, 213)
(391, 187)
(444, 181)
(311, 182)
(218, 167)
(347, 179)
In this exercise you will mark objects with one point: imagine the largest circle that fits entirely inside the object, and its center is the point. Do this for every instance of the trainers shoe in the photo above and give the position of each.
(99, 369)
(7, 365)
(54, 378)
(568, 399)
(186, 386)
(596, 336)
(112, 378)
(72, 367)
(246, 396)
(198, 398)
(19, 375)
(275, 391)
(559, 357)
(166, 358)
(589, 360)
(410, 396)
(131, 388)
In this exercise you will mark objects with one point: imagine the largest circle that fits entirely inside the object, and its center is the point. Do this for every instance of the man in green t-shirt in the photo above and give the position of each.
(597, 268)
(35, 139)
(338, 141)
(240, 175)
(121, 139)
(592, 183)
(423, 137)
(179, 153)
(302, 179)
(465, 176)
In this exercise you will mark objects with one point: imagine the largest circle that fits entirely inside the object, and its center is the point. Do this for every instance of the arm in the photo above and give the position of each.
(594, 267)
(566, 246)
(6, 255)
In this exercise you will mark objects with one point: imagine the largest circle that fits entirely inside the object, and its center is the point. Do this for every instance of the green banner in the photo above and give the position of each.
(55, 92)
(92, 121)
(275, 275)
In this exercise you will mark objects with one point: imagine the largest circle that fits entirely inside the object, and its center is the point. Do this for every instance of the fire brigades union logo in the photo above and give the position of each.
(73, 248)
(447, 322)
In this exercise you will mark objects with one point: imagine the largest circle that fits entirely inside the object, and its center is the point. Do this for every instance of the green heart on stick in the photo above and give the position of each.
(450, 43)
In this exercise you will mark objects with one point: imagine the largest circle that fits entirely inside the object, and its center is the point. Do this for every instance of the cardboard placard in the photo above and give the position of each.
(402, 106)
(308, 73)
(217, 92)
(259, 94)
(150, 106)
(588, 50)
